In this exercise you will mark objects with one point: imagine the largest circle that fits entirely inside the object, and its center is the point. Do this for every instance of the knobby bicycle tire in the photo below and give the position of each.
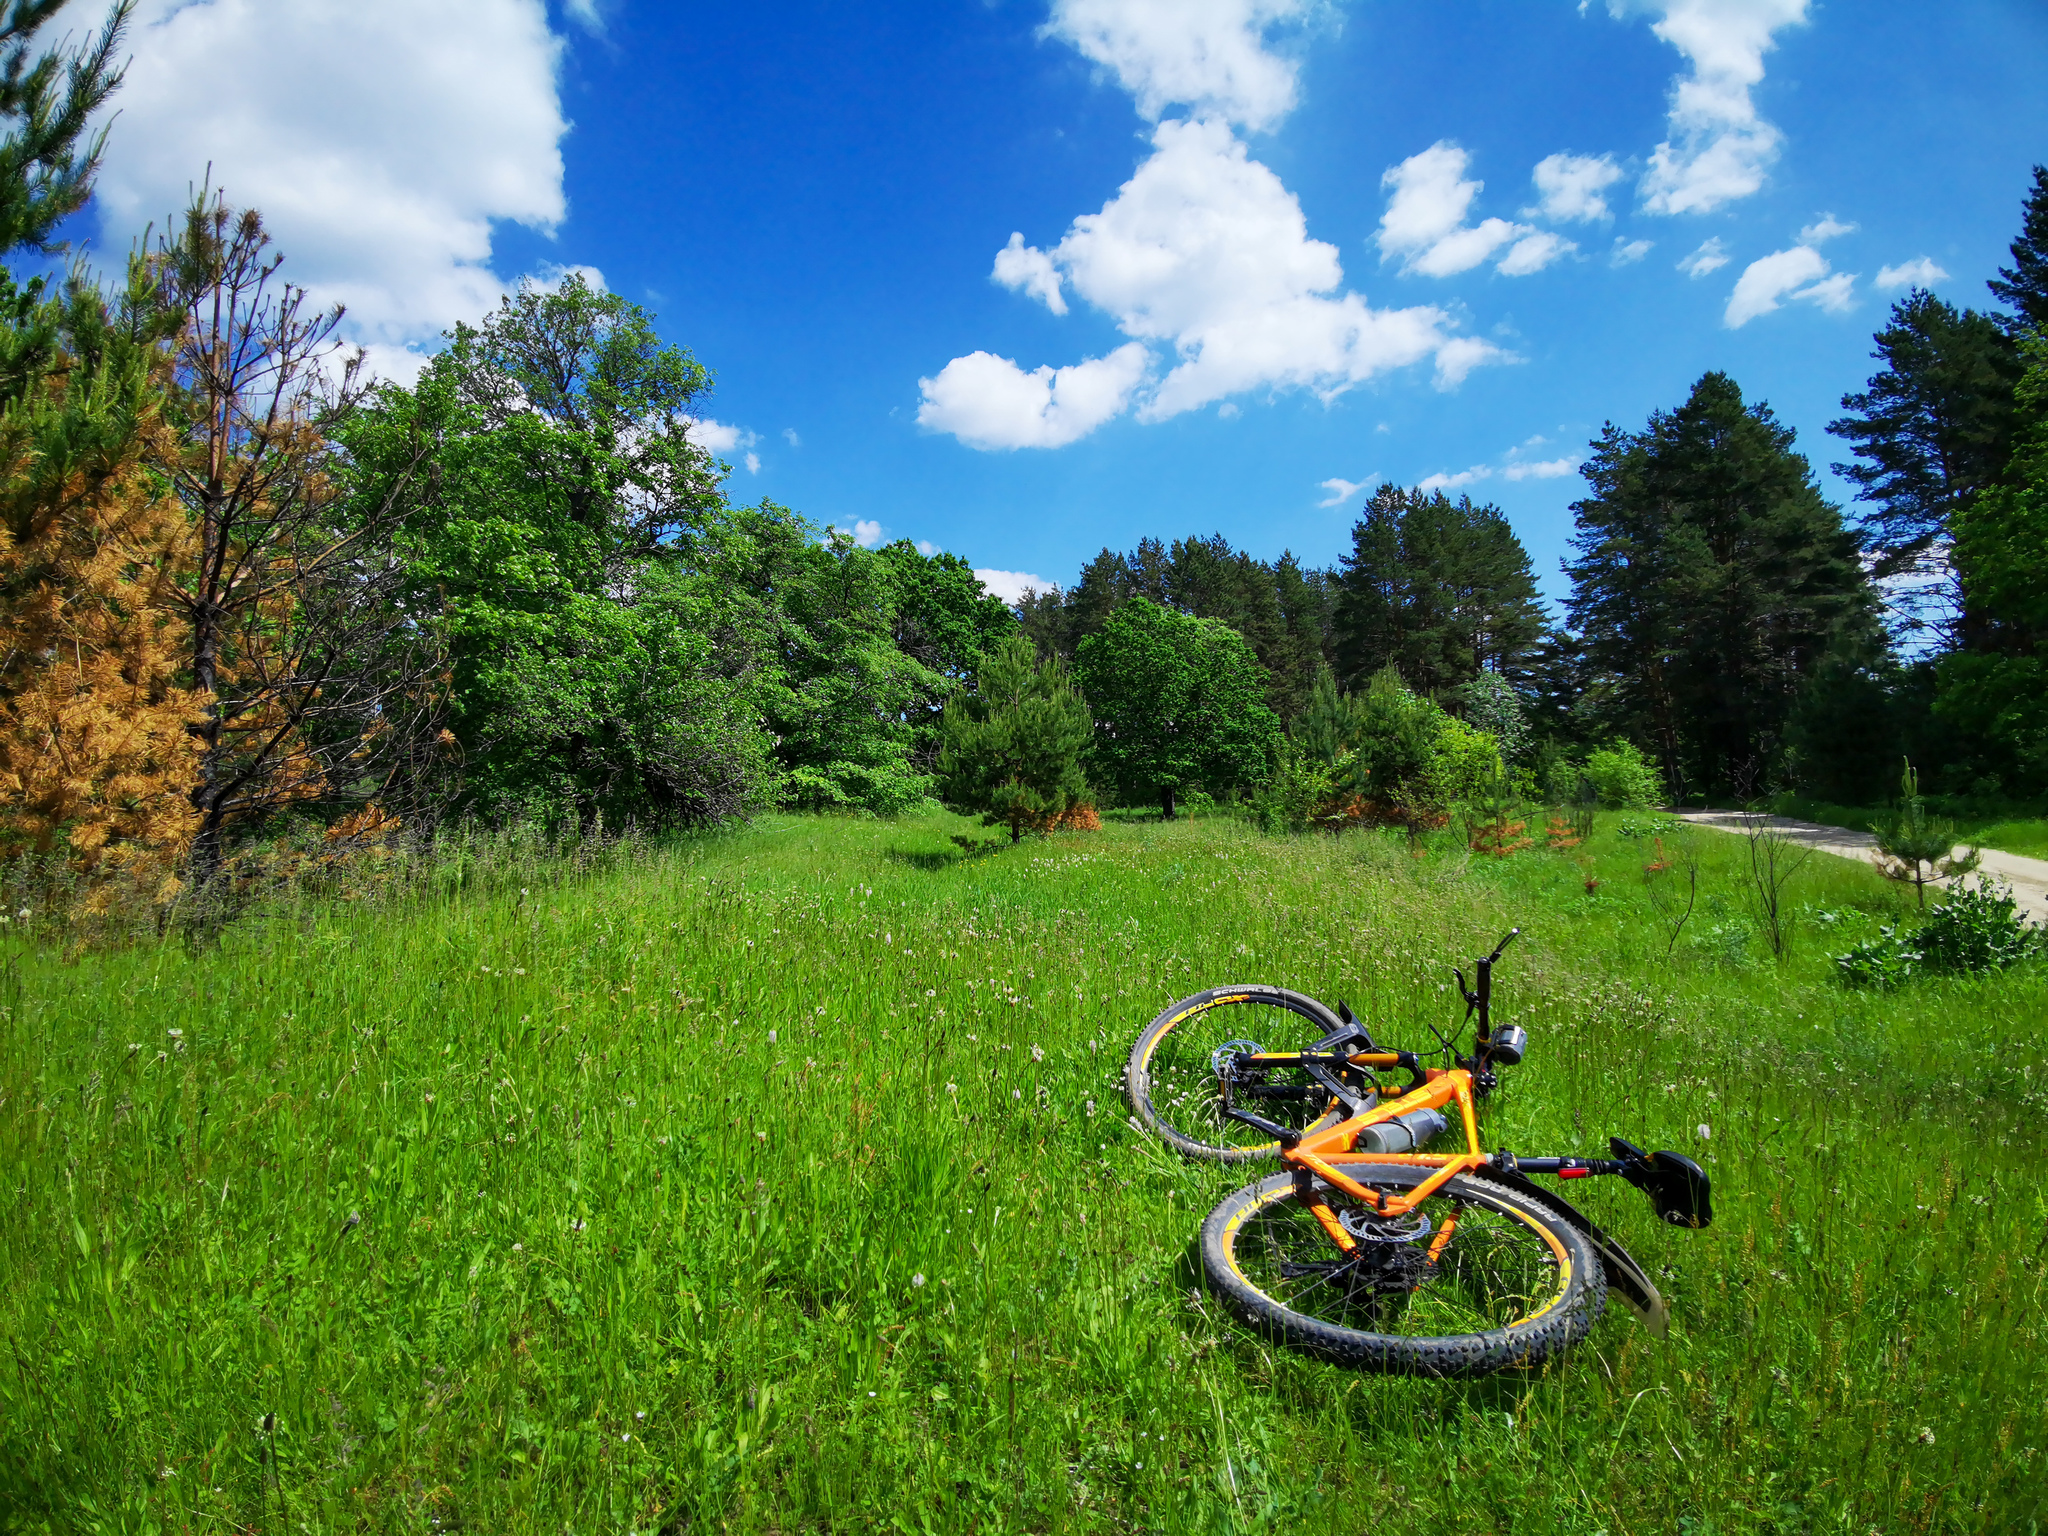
(1171, 1085)
(1383, 1311)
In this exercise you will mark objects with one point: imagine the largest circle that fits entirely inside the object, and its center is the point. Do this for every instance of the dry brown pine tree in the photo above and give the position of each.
(318, 686)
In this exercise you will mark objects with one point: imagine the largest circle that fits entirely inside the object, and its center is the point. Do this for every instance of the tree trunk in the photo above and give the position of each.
(1166, 802)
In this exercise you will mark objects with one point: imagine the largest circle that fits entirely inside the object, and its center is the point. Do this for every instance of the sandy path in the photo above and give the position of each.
(2027, 877)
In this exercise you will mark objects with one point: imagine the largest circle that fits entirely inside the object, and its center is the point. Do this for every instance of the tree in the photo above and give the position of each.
(1711, 578)
(943, 619)
(600, 602)
(1915, 847)
(1013, 745)
(1932, 430)
(1440, 590)
(1178, 703)
(1996, 693)
(2024, 284)
(318, 688)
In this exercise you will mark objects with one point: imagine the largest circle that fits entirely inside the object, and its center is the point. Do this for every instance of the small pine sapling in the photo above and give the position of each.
(1914, 846)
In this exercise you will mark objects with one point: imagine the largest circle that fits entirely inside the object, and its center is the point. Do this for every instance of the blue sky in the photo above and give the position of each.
(1022, 279)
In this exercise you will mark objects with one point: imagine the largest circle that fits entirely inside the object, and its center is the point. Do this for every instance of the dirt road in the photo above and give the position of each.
(2027, 877)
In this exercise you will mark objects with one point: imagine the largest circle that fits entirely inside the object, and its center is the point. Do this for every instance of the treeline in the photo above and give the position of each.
(1725, 618)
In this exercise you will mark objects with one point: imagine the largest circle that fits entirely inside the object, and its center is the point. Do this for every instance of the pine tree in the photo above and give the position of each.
(1711, 578)
(2024, 284)
(1012, 746)
(1932, 430)
(1440, 590)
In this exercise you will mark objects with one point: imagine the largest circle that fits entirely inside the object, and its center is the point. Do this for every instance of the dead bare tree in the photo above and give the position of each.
(1774, 858)
(321, 688)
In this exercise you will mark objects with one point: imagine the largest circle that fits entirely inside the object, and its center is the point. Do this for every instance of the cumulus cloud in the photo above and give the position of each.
(1825, 228)
(865, 532)
(1709, 257)
(1425, 227)
(1569, 187)
(1030, 270)
(1342, 491)
(1534, 252)
(1209, 56)
(1459, 481)
(365, 218)
(1011, 586)
(1545, 469)
(1202, 258)
(1627, 252)
(989, 402)
(1800, 273)
(1917, 273)
(1719, 147)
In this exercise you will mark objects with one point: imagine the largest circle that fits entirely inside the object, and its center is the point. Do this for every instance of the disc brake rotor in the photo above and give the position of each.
(1368, 1228)
(1221, 1058)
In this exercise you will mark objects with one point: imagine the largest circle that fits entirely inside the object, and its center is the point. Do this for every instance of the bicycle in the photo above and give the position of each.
(1366, 1250)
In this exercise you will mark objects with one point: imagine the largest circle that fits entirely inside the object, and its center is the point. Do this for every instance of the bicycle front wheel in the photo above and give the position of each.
(1176, 1076)
(1477, 1279)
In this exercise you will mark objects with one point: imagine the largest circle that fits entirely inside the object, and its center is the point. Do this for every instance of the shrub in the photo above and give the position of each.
(1624, 779)
(1976, 930)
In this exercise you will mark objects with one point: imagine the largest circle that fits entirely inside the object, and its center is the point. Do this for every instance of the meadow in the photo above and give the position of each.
(779, 1180)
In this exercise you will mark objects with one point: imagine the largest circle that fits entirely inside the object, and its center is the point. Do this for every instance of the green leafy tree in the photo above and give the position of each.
(574, 550)
(1179, 704)
(944, 620)
(1012, 747)
(1711, 578)
(1622, 778)
(1441, 590)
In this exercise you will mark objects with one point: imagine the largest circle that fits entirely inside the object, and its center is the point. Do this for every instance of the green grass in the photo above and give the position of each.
(2027, 835)
(602, 1205)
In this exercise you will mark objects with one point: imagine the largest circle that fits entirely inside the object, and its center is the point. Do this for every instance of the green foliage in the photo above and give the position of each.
(1442, 591)
(1622, 778)
(945, 621)
(1012, 747)
(1491, 704)
(2024, 284)
(1178, 703)
(1296, 792)
(1977, 929)
(1915, 846)
(1710, 577)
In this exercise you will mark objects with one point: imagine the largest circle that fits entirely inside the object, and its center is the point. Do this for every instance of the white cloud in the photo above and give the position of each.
(1823, 229)
(1011, 586)
(1627, 252)
(1203, 253)
(1206, 55)
(585, 14)
(1460, 355)
(1424, 223)
(1917, 273)
(1342, 491)
(753, 462)
(1027, 267)
(789, 436)
(317, 115)
(864, 531)
(1709, 257)
(1462, 478)
(1547, 469)
(1719, 148)
(927, 548)
(1570, 186)
(989, 402)
(1534, 252)
(1798, 273)
(717, 436)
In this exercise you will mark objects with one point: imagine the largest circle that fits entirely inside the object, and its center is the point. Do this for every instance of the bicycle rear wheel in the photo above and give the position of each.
(1514, 1284)
(1175, 1076)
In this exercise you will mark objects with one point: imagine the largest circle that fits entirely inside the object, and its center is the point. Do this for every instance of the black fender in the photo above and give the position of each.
(1625, 1277)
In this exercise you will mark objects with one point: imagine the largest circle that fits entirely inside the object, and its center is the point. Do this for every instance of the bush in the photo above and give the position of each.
(1978, 929)
(1624, 779)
